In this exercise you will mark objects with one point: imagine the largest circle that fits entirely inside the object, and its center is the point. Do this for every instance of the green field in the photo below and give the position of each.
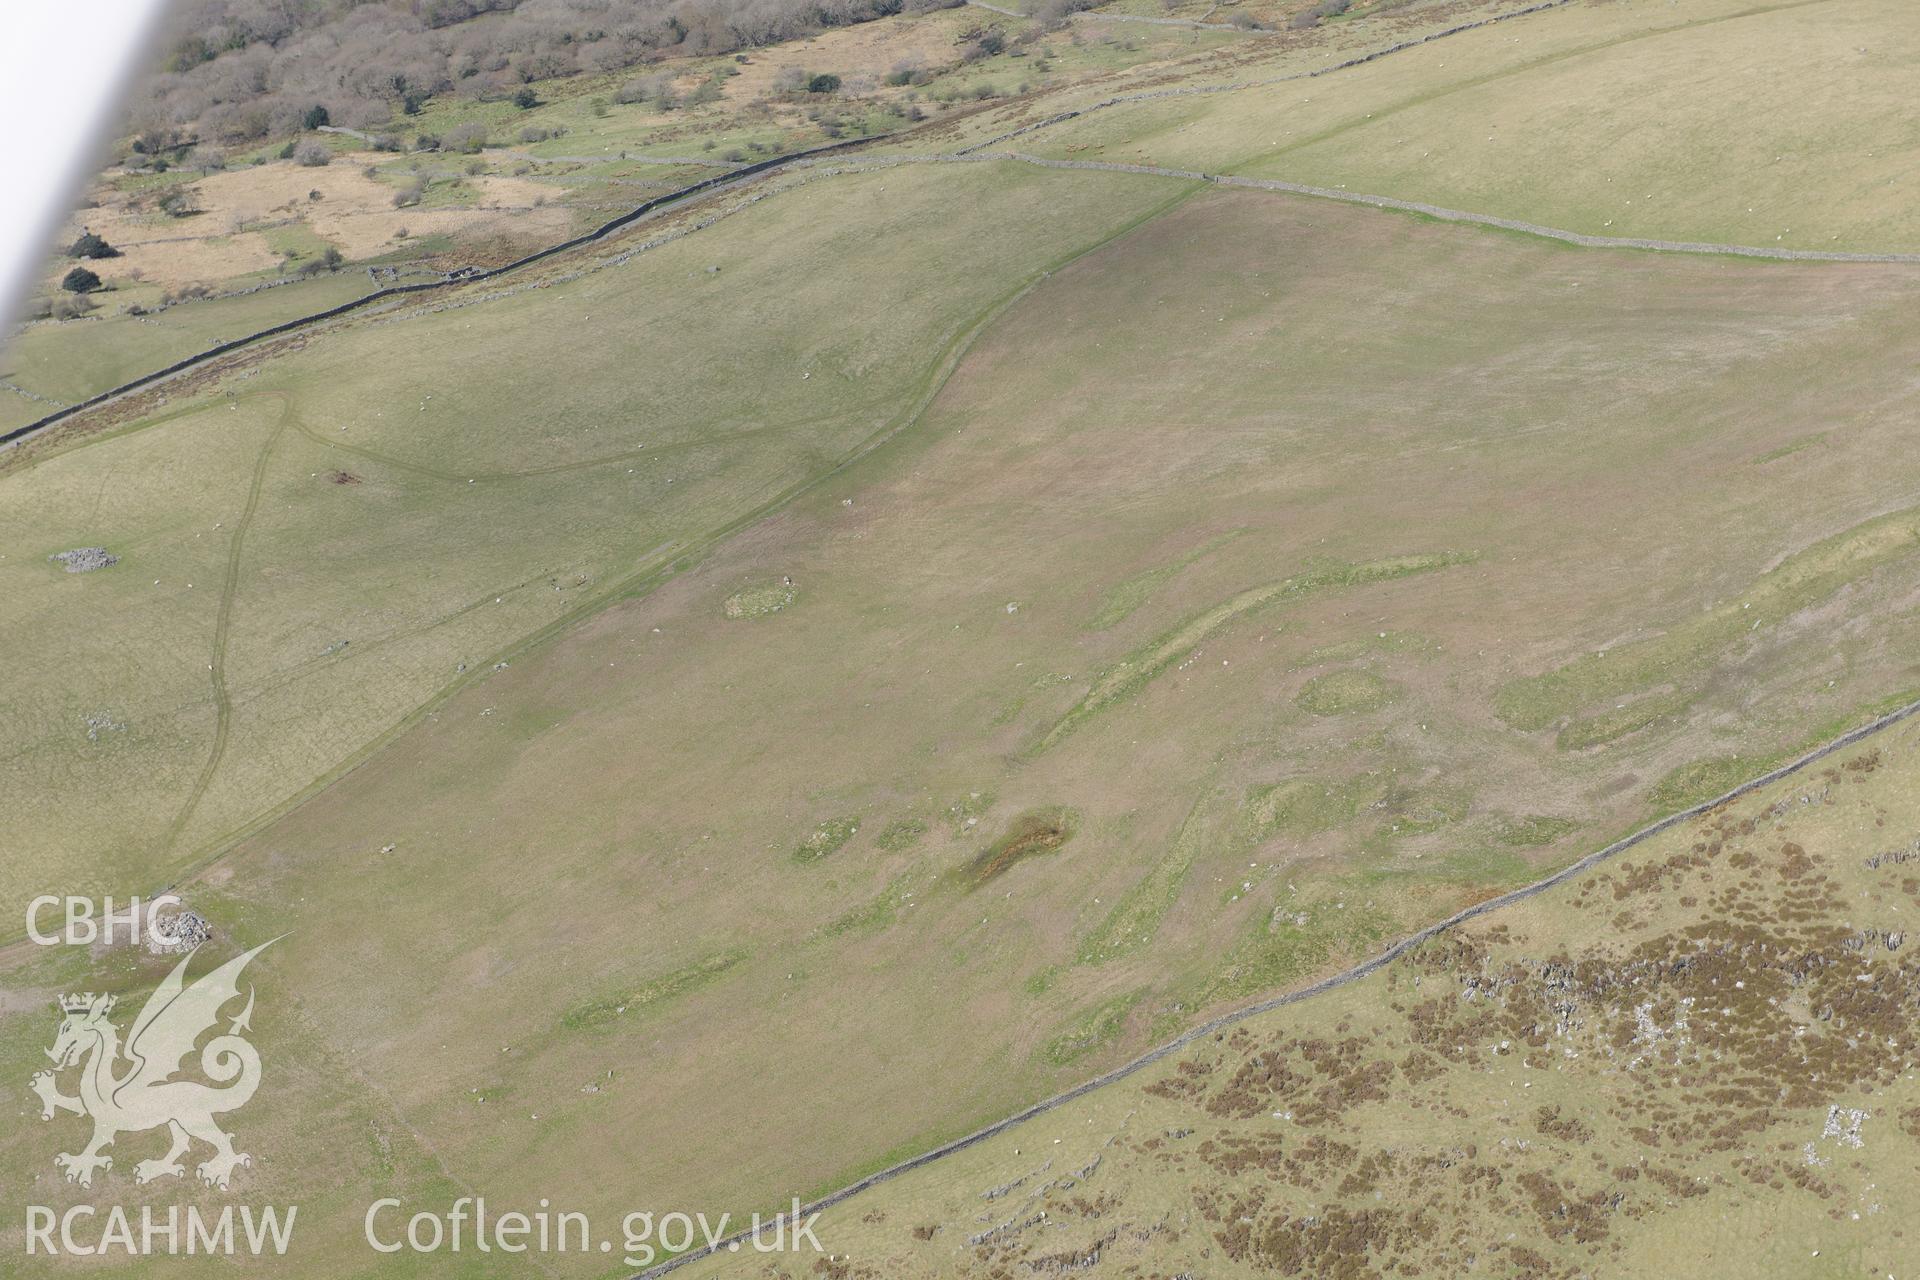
(1640, 118)
(66, 362)
(739, 705)
(358, 541)
(595, 157)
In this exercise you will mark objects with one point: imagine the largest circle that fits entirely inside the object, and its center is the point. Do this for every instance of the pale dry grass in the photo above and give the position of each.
(859, 55)
(354, 212)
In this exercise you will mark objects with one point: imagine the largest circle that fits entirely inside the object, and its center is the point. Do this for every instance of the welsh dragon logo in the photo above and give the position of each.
(130, 1088)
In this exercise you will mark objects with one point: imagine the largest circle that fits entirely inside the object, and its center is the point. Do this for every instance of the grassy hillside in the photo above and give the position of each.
(1721, 1081)
(66, 363)
(1638, 118)
(735, 707)
(1291, 751)
(701, 821)
(367, 534)
(470, 180)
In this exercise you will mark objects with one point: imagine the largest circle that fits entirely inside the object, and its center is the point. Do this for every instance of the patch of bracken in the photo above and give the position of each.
(1762, 981)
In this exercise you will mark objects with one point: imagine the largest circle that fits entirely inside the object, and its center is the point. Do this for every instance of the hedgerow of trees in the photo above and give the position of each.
(236, 71)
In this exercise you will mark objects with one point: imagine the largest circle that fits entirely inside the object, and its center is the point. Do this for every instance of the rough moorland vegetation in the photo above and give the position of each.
(237, 70)
(1719, 1081)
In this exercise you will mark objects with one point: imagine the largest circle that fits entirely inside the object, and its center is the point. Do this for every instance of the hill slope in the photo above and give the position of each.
(1722, 1081)
(723, 709)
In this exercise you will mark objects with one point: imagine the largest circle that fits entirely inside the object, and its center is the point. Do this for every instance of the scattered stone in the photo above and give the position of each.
(85, 559)
(758, 602)
(183, 932)
(1843, 1125)
(100, 722)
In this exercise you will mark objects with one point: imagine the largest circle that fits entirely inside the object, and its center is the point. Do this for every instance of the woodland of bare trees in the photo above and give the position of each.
(233, 71)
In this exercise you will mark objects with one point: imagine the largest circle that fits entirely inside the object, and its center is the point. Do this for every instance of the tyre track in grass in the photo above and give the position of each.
(641, 453)
(223, 627)
(1344, 978)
